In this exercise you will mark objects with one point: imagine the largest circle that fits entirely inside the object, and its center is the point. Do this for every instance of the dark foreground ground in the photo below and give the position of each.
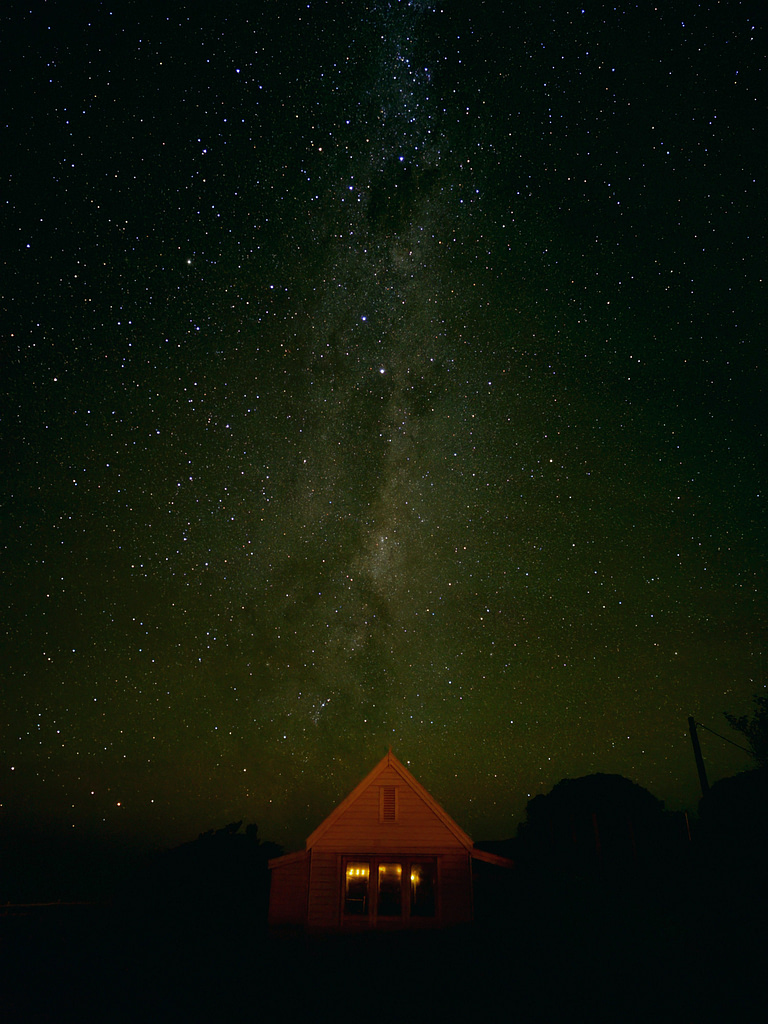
(581, 949)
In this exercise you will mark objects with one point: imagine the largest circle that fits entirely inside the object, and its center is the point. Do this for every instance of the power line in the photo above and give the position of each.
(733, 744)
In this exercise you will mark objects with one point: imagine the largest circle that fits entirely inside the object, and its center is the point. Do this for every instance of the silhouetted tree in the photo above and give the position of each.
(754, 728)
(594, 819)
(220, 877)
(736, 808)
(733, 838)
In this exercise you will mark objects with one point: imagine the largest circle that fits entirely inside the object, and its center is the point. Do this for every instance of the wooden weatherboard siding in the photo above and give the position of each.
(324, 890)
(388, 817)
(359, 826)
(289, 888)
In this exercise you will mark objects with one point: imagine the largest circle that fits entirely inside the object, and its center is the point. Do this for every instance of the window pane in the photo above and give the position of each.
(390, 887)
(423, 889)
(356, 887)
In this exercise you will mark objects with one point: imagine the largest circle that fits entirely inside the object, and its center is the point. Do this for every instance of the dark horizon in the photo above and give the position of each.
(45, 864)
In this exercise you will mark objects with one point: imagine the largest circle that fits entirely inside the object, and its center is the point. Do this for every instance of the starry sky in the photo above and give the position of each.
(375, 374)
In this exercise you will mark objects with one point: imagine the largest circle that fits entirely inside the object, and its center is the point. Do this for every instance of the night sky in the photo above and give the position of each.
(376, 374)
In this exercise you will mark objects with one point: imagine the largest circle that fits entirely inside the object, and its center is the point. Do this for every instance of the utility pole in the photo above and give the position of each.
(697, 754)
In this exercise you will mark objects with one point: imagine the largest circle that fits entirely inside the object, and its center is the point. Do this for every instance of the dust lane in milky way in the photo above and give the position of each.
(379, 375)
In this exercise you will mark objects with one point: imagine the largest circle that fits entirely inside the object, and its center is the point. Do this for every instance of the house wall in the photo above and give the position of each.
(324, 890)
(288, 891)
(326, 879)
(455, 888)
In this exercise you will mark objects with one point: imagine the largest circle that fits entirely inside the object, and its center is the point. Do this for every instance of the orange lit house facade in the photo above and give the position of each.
(388, 857)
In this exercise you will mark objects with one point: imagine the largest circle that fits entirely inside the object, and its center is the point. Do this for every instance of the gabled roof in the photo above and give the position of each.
(390, 761)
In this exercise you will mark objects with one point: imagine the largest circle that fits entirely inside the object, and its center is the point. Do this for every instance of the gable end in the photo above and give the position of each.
(389, 794)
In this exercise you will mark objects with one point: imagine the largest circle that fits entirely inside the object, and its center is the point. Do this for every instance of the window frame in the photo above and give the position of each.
(372, 917)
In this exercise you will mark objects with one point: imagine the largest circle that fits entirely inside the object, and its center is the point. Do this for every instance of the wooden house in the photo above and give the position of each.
(387, 857)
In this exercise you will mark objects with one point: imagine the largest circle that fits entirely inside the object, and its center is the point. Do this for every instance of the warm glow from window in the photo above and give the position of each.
(359, 871)
(356, 888)
(390, 869)
(377, 889)
(390, 892)
(423, 889)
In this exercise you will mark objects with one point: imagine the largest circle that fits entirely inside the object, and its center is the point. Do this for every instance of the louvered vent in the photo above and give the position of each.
(388, 803)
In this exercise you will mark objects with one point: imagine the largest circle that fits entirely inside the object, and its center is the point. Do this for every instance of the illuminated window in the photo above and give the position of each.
(386, 890)
(356, 882)
(423, 889)
(390, 890)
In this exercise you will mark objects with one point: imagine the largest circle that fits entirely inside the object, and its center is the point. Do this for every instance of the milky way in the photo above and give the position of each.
(376, 375)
